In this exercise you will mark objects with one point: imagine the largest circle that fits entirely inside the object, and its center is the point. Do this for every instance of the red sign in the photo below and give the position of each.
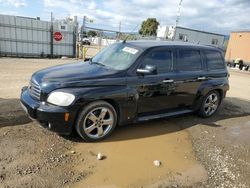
(58, 36)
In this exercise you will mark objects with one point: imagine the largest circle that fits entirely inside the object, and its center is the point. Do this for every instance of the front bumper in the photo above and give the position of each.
(49, 116)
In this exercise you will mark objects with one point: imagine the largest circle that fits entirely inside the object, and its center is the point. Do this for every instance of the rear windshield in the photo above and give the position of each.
(118, 56)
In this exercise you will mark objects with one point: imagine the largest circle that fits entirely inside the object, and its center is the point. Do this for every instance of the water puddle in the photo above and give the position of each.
(130, 153)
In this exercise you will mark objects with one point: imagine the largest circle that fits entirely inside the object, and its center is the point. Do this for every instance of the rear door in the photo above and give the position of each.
(190, 73)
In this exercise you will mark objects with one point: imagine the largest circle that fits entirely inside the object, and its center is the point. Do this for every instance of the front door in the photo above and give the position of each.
(154, 90)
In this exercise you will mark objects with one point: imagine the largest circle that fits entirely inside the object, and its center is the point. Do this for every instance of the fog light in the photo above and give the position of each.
(49, 125)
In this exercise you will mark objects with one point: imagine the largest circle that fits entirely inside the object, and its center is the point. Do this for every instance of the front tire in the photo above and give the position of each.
(210, 104)
(96, 121)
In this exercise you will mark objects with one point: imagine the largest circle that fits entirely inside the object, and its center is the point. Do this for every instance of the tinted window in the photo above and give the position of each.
(162, 59)
(214, 60)
(188, 60)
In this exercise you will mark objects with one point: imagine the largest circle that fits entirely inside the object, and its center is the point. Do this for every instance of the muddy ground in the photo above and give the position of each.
(194, 152)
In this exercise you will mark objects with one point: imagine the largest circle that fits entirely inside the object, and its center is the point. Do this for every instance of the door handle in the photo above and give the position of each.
(168, 81)
(201, 78)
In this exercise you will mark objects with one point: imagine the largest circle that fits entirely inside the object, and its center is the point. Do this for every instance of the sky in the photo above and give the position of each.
(220, 16)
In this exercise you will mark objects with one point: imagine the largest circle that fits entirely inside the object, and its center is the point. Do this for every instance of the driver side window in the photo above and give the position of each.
(161, 59)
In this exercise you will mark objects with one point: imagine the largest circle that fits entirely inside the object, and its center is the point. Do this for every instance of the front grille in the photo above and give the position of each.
(34, 89)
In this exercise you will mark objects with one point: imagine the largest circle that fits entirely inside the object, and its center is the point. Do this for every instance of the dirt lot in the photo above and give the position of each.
(194, 152)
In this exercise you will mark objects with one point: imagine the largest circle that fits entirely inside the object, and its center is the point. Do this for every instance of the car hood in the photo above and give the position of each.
(73, 72)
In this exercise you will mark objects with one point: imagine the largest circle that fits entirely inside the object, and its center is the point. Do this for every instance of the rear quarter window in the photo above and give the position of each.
(188, 60)
(214, 60)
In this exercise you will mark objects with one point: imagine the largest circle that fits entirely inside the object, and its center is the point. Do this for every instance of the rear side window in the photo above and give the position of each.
(188, 60)
(214, 60)
(162, 59)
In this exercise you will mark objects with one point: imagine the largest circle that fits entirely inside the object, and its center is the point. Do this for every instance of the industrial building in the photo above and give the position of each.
(31, 37)
(238, 47)
(190, 35)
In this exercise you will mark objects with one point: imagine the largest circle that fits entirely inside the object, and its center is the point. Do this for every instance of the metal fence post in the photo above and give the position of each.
(51, 36)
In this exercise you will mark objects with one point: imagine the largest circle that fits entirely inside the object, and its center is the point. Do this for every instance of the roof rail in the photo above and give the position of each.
(214, 46)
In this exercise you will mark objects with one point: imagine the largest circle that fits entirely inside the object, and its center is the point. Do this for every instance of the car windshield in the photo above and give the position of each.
(118, 56)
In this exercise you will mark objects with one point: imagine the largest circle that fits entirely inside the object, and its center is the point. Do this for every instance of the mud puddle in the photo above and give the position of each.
(130, 152)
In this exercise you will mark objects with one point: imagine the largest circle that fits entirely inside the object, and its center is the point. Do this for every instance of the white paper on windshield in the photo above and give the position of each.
(130, 50)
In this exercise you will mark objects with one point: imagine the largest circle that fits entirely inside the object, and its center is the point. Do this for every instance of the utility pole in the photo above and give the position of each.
(178, 13)
(119, 34)
(83, 27)
(178, 17)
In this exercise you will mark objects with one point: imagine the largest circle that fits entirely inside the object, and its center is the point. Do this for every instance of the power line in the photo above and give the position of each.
(99, 29)
(119, 25)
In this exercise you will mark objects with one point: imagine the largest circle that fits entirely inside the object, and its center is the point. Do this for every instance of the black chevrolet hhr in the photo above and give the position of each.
(125, 83)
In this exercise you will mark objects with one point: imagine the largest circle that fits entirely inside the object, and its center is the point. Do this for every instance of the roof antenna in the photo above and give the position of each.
(124, 41)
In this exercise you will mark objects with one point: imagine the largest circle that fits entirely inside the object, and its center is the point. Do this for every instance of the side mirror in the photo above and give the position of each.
(147, 70)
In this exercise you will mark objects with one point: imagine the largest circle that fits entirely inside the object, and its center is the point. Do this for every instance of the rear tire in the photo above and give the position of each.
(96, 121)
(210, 104)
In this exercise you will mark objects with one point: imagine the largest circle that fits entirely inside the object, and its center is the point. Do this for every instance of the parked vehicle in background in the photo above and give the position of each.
(126, 83)
(85, 41)
(239, 63)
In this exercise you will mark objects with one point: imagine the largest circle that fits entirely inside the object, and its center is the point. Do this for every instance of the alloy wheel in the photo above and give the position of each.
(211, 104)
(98, 122)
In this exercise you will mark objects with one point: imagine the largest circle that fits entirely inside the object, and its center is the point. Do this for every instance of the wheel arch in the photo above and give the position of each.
(203, 92)
(221, 93)
(112, 102)
(116, 96)
(115, 105)
(93, 105)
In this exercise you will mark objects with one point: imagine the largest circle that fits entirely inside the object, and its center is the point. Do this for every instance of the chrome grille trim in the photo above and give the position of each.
(34, 89)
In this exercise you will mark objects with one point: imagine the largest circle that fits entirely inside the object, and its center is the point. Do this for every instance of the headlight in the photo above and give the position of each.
(60, 98)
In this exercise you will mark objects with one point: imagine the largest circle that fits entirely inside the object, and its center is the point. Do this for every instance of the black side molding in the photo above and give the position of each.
(151, 117)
